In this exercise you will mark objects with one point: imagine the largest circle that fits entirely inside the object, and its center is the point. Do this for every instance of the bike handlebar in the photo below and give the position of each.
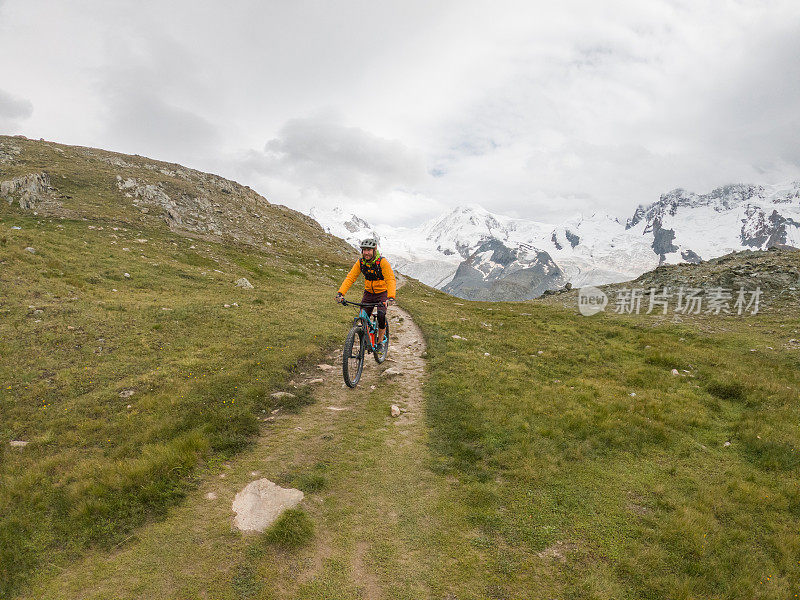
(362, 304)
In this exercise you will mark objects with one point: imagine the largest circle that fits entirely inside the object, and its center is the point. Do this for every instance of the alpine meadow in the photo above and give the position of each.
(168, 337)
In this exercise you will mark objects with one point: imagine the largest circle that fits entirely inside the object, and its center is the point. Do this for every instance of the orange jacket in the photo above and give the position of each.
(387, 284)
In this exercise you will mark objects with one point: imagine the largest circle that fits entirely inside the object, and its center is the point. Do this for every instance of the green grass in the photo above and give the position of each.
(586, 471)
(293, 529)
(528, 475)
(98, 465)
(594, 445)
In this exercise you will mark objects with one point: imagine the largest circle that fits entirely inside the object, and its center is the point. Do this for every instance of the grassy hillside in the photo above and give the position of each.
(589, 470)
(559, 457)
(56, 180)
(129, 359)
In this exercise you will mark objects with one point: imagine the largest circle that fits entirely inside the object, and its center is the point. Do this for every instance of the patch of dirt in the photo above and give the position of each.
(369, 583)
(557, 550)
(322, 552)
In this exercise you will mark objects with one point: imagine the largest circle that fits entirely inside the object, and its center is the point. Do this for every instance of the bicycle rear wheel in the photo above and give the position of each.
(353, 356)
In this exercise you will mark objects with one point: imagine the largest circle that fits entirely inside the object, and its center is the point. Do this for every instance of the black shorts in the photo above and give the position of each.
(368, 298)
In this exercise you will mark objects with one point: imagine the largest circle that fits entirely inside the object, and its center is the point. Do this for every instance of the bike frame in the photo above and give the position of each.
(370, 324)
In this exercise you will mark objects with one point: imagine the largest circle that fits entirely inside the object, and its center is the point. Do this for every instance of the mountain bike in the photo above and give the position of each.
(360, 340)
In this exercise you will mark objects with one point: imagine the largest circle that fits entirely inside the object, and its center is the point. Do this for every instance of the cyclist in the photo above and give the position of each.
(379, 283)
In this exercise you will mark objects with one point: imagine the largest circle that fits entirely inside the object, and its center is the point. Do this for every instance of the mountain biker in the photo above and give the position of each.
(379, 283)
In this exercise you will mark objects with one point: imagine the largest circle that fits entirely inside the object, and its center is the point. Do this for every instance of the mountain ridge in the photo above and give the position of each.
(47, 177)
(595, 249)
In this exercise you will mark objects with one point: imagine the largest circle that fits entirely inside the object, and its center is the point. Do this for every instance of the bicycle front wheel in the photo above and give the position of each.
(381, 356)
(353, 356)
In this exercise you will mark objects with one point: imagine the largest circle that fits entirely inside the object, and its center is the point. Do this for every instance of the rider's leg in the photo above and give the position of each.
(381, 324)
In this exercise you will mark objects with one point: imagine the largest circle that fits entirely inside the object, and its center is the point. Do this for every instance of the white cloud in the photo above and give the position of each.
(534, 110)
(319, 160)
(323, 153)
(13, 111)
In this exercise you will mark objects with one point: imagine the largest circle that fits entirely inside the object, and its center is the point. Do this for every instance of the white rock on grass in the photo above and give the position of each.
(31, 250)
(458, 337)
(18, 443)
(126, 393)
(675, 372)
(261, 502)
(243, 283)
(315, 381)
(280, 395)
(395, 410)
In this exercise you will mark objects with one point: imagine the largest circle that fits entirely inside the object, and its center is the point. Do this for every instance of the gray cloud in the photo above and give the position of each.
(13, 110)
(154, 96)
(322, 153)
(604, 115)
(756, 114)
(142, 121)
(532, 110)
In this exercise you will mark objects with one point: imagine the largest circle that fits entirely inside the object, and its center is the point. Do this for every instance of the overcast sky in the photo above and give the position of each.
(400, 110)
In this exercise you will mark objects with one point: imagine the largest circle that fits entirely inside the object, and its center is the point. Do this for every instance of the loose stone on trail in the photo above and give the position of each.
(261, 502)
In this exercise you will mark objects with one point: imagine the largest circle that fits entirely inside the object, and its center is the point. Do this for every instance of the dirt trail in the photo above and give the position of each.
(406, 347)
(371, 505)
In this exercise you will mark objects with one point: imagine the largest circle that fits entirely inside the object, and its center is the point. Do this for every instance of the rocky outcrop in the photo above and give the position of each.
(146, 196)
(690, 256)
(574, 239)
(762, 231)
(30, 190)
(662, 239)
(776, 270)
(8, 152)
(77, 182)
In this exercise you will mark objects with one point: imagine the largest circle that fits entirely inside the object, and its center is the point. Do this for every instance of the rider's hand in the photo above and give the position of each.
(339, 297)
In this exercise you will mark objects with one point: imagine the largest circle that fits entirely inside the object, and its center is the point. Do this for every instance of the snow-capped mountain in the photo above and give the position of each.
(474, 253)
(690, 227)
(346, 226)
(496, 272)
(408, 250)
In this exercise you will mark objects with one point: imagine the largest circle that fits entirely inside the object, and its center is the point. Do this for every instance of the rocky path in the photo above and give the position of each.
(367, 490)
(404, 361)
